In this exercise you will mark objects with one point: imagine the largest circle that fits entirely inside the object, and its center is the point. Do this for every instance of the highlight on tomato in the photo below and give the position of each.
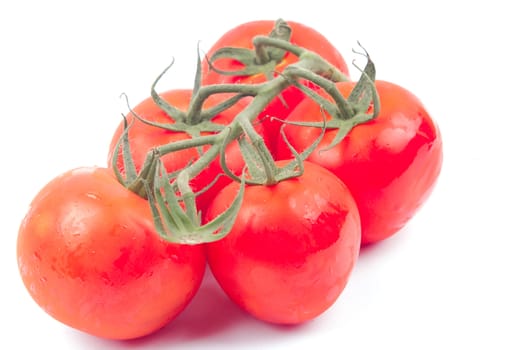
(390, 163)
(90, 257)
(292, 248)
(234, 58)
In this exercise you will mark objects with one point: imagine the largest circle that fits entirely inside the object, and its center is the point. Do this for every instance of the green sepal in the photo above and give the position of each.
(242, 55)
(172, 221)
(174, 113)
(368, 76)
(198, 74)
(252, 159)
(129, 166)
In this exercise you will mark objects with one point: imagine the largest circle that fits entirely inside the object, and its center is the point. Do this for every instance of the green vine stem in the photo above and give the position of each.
(171, 197)
(264, 54)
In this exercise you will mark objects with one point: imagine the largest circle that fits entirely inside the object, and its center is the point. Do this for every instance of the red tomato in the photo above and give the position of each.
(292, 248)
(144, 137)
(241, 37)
(390, 164)
(89, 255)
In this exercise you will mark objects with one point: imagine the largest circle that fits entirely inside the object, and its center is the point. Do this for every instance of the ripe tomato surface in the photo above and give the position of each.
(89, 256)
(292, 247)
(390, 164)
(144, 137)
(241, 36)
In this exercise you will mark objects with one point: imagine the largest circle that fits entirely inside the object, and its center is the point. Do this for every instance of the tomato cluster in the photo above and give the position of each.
(275, 169)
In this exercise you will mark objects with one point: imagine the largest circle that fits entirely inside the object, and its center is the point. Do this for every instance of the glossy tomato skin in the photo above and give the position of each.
(241, 36)
(390, 164)
(143, 137)
(89, 256)
(292, 248)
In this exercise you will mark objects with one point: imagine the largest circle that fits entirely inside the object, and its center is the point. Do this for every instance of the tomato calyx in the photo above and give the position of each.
(261, 166)
(176, 218)
(263, 54)
(263, 59)
(361, 106)
(172, 203)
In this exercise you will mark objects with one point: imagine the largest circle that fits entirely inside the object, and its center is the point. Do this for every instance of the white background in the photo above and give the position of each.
(453, 279)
